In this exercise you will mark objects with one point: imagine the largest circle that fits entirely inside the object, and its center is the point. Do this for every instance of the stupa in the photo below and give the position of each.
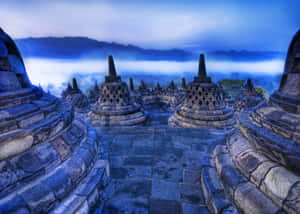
(274, 127)
(203, 106)
(143, 89)
(259, 167)
(248, 98)
(94, 94)
(74, 96)
(50, 161)
(115, 107)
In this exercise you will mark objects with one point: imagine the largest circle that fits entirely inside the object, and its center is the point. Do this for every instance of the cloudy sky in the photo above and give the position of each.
(194, 24)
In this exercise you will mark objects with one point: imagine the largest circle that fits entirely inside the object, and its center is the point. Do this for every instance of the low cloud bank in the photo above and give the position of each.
(54, 74)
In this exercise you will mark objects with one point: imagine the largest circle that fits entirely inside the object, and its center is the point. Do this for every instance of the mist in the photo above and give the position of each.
(53, 75)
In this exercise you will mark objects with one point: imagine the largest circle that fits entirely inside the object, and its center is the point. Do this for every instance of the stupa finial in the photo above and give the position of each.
(202, 69)
(111, 67)
(112, 74)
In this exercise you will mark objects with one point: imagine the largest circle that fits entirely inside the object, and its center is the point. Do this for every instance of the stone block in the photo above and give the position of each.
(194, 209)
(165, 190)
(249, 199)
(60, 183)
(278, 183)
(191, 194)
(249, 161)
(7, 175)
(160, 206)
(16, 146)
(62, 148)
(292, 202)
(231, 178)
(39, 198)
(260, 172)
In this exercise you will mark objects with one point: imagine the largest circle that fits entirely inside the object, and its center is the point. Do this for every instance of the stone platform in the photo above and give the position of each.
(157, 169)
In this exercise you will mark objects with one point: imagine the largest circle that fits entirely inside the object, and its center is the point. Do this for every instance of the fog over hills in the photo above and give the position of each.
(83, 47)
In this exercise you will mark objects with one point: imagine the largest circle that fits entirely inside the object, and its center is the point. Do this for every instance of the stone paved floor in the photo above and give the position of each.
(156, 169)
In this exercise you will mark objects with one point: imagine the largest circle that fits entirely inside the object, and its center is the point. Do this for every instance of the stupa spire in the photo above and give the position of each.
(75, 86)
(202, 68)
(111, 67)
(249, 85)
(112, 73)
(202, 76)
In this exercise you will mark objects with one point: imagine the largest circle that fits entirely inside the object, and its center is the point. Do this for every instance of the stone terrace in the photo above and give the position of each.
(157, 169)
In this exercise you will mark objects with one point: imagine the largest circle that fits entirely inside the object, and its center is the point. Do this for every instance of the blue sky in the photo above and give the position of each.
(204, 25)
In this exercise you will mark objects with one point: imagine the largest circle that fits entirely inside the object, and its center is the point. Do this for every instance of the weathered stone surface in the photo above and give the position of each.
(292, 202)
(278, 182)
(251, 200)
(259, 174)
(165, 190)
(39, 198)
(46, 154)
(194, 209)
(62, 148)
(191, 194)
(160, 206)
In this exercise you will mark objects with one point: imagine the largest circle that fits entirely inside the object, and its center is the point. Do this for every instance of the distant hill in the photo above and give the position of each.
(83, 47)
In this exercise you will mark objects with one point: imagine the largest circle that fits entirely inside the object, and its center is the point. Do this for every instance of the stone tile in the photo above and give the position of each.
(141, 150)
(132, 206)
(194, 209)
(168, 159)
(160, 206)
(167, 173)
(192, 176)
(138, 160)
(165, 190)
(191, 194)
(136, 188)
(119, 173)
(140, 172)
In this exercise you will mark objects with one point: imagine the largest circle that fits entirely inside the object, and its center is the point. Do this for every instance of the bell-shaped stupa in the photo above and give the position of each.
(48, 157)
(203, 106)
(115, 107)
(248, 97)
(74, 96)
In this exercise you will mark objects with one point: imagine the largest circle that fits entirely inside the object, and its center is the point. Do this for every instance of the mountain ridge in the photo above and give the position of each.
(84, 47)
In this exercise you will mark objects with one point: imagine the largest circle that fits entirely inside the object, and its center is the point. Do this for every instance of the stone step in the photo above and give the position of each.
(214, 194)
(240, 191)
(12, 101)
(275, 146)
(275, 181)
(79, 178)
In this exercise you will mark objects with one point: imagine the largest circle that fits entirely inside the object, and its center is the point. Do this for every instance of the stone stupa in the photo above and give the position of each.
(274, 127)
(94, 93)
(259, 167)
(248, 98)
(48, 157)
(74, 96)
(203, 106)
(115, 106)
